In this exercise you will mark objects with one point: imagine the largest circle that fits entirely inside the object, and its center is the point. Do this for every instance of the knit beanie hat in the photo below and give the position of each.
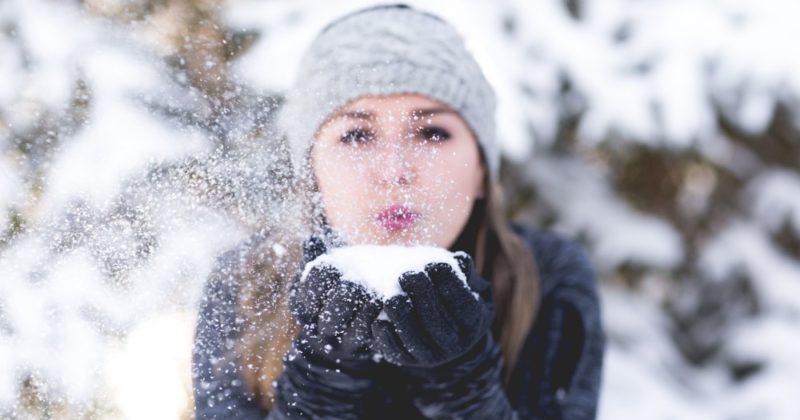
(387, 50)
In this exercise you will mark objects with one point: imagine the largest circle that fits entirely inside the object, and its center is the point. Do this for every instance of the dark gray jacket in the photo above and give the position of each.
(557, 375)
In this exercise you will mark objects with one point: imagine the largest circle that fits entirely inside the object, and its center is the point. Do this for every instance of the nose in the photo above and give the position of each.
(395, 165)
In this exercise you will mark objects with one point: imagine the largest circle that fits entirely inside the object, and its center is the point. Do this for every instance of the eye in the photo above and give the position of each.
(356, 136)
(434, 134)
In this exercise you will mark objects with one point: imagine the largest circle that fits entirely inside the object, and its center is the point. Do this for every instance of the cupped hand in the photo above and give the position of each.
(440, 317)
(334, 314)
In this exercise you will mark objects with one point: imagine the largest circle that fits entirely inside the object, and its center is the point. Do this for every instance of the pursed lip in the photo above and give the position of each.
(397, 217)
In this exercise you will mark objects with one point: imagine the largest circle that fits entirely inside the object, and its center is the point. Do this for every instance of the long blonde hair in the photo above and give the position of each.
(270, 267)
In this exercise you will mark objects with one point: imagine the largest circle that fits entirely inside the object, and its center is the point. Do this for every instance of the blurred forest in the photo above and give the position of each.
(137, 142)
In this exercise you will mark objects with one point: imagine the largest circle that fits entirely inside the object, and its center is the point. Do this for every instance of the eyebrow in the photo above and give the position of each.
(431, 111)
(369, 116)
(356, 115)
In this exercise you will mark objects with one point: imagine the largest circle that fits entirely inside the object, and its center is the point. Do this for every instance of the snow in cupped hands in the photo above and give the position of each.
(378, 268)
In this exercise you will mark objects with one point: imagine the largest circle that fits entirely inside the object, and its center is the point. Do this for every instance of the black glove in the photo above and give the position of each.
(439, 335)
(335, 316)
(439, 319)
(327, 372)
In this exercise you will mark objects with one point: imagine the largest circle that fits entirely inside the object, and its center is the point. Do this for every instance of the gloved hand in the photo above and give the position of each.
(335, 316)
(439, 335)
(439, 319)
(328, 370)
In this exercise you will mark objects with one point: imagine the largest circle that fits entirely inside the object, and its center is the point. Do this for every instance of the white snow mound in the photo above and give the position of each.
(378, 267)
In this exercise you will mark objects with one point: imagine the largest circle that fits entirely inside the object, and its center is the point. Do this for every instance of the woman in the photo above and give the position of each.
(391, 132)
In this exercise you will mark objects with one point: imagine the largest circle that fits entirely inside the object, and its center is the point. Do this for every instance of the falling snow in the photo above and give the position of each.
(134, 149)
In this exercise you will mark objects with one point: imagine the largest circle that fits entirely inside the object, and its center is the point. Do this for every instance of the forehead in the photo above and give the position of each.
(400, 104)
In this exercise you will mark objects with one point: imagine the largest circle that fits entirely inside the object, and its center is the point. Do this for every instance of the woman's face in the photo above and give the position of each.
(399, 169)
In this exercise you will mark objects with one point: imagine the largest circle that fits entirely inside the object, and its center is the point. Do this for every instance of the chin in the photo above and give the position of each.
(377, 235)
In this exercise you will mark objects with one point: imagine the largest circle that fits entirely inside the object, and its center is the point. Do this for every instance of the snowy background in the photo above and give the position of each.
(136, 143)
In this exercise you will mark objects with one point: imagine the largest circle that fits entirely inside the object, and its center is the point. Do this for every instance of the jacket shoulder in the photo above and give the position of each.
(218, 317)
(218, 386)
(240, 261)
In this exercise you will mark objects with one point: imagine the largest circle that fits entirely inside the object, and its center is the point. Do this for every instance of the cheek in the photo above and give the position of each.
(449, 189)
(342, 186)
(454, 174)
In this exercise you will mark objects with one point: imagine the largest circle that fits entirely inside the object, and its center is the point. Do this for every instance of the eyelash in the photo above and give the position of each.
(359, 135)
(434, 134)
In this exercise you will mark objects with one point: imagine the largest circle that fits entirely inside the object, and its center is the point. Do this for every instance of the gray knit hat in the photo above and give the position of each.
(387, 50)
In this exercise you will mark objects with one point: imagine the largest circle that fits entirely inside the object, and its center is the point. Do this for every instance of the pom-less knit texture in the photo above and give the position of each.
(381, 51)
(557, 375)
